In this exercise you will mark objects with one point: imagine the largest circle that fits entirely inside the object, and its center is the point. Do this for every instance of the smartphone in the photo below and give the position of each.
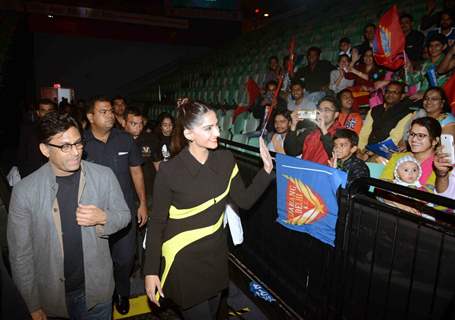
(306, 114)
(448, 147)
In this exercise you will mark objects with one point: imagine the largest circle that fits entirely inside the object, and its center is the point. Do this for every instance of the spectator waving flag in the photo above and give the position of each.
(389, 41)
(306, 197)
(449, 88)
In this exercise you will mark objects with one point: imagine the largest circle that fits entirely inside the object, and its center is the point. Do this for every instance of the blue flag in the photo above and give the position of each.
(306, 196)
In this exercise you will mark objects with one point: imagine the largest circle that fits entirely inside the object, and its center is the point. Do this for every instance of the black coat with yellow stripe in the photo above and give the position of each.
(199, 270)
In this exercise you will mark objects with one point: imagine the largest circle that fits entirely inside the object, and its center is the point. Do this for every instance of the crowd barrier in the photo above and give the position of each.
(386, 264)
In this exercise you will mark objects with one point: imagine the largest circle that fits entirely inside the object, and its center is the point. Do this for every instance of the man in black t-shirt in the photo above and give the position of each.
(116, 149)
(146, 143)
(316, 74)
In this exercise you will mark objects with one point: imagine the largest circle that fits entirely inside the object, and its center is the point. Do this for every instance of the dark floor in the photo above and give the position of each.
(238, 303)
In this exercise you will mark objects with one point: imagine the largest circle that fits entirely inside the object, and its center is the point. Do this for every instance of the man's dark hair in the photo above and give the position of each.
(439, 37)
(408, 16)
(341, 92)
(397, 83)
(133, 111)
(332, 100)
(345, 40)
(47, 102)
(284, 113)
(315, 49)
(344, 133)
(369, 25)
(118, 98)
(91, 103)
(297, 82)
(54, 123)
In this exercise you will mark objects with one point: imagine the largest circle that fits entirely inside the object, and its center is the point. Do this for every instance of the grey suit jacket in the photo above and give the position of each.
(35, 237)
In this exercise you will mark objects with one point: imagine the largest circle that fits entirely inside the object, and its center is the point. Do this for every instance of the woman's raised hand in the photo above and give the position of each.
(265, 156)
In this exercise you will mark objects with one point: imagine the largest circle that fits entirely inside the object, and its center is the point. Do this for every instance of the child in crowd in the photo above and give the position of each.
(407, 172)
(348, 118)
(345, 143)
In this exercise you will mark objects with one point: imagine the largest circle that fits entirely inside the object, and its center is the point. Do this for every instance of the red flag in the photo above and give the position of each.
(253, 91)
(291, 60)
(449, 88)
(389, 41)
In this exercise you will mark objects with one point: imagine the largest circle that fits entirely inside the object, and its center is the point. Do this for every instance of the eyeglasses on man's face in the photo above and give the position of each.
(67, 147)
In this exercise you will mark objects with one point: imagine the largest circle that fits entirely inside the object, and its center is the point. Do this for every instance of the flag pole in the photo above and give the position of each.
(290, 66)
(405, 67)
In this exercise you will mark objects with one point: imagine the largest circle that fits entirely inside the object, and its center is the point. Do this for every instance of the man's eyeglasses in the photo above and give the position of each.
(67, 147)
(326, 110)
(419, 136)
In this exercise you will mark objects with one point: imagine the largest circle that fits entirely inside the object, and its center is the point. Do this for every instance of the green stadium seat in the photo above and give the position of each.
(239, 125)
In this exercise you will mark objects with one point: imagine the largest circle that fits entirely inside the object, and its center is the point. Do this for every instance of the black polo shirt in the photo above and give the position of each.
(317, 78)
(118, 153)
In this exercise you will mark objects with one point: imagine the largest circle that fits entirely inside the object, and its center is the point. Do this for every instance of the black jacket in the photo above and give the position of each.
(189, 199)
(355, 168)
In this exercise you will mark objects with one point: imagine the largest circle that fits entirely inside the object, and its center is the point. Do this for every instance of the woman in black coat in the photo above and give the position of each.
(186, 254)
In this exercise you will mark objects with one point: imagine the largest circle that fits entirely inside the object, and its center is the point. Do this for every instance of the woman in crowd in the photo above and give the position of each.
(435, 106)
(364, 75)
(162, 149)
(348, 118)
(338, 80)
(282, 123)
(423, 138)
(186, 228)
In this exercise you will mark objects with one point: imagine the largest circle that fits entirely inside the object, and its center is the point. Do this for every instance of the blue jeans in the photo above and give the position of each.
(77, 309)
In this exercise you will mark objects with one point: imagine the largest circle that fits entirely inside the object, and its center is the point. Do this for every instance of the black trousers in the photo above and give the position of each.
(206, 310)
(123, 249)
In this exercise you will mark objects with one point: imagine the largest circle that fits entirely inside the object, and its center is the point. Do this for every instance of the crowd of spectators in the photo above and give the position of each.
(358, 105)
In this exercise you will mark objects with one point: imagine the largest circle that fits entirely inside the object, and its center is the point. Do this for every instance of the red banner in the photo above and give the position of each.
(389, 41)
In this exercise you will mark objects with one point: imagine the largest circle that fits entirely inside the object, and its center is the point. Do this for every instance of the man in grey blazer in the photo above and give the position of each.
(60, 218)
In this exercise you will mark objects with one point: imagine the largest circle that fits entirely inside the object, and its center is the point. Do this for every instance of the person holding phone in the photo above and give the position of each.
(311, 139)
(445, 175)
(186, 248)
